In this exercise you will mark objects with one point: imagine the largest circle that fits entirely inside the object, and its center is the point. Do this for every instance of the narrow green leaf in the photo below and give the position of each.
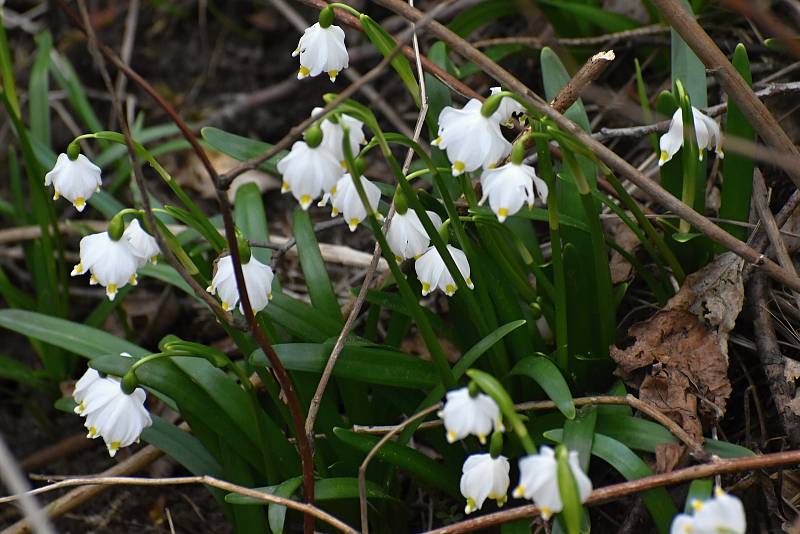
(579, 435)
(385, 43)
(319, 284)
(241, 148)
(364, 363)
(73, 337)
(699, 490)
(182, 446)
(251, 219)
(547, 375)
(38, 89)
(417, 464)
(277, 513)
(16, 371)
(688, 68)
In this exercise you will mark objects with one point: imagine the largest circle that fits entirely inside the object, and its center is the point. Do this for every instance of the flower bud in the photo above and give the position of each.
(313, 136)
(326, 17)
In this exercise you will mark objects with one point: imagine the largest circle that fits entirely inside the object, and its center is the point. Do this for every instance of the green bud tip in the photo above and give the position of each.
(326, 17)
(129, 382)
(361, 166)
(313, 136)
(473, 388)
(116, 226)
(490, 105)
(73, 150)
(496, 445)
(244, 248)
(536, 310)
(400, 202)
(518, 152)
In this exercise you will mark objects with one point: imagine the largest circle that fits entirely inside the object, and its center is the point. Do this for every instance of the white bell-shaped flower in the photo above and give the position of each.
(76, 180)
(145, 246)
(509, 187)
(471, 140)
(507, 109)
(484, 477)
(345, 200)
(110, 413)
(432, 271)
(309, 172)
(705, 128)
(723, 514)
(321, 50)
(465, 415)
(407, 237)
(257, 277)
(333, 134)
(112, 264)
(538, 480)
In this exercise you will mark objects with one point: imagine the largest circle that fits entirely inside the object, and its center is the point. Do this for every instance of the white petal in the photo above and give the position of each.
(682, 524)
(144, 246)
(671, 141)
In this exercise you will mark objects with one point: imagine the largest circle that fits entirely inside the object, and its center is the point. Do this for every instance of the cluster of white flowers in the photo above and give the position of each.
(486, 475)
(113, 263)
(723, 513)
(110, 413)
(74, 179)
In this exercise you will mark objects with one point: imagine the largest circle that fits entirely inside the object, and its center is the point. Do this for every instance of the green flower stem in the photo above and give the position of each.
(560, 282)
(344, 7)
(492, 387)
(568, 489)
(425, 171)
(437, 353)
(200, 219)
(691, 154)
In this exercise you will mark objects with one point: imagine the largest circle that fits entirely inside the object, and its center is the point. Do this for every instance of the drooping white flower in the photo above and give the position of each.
(110, 413)
(76, 180)
(309, 172)
(484, 477)
(471, 140)
(112, 264)
(432, 271)
(509, 186)
(507, 109)
(538, 480)
(345, 200)
(321, 50)
(145, 246)
(465, 415)
(333, 134)
(705, 128)
(723, 514)
(407, 237)
(258, 281)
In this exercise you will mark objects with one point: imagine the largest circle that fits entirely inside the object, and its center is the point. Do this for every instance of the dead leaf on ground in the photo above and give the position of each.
(679, 357)
(193, 176)
(624, 237)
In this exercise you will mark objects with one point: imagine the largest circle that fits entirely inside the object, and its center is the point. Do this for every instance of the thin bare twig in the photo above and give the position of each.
(362, 470)
(13, 479)
(307, 509)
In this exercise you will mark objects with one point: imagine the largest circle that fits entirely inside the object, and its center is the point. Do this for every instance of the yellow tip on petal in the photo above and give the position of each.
(225, 306)
(79, 203)
(502, 213)
(334, 212)
(111, 291)
(78, 269)
(470, 507)
(664, 156)
(303, 72)
(154, 260)
(501, 500)
(342, 164)
(92, 432)
(482, 439)
(436, 141)
(305, 201)
(332, 74)
(134, 280)
(56, 195)
(210, 289)
(353, 223)
(449, 290)
(80, 408)
(93, 280)
(284, 187)
(426, 288)
(547, 513)
(451, 436)
(458, 167)
(697, 505)
(518, 492)
(719, 492)
(113, 448)
(269, 295)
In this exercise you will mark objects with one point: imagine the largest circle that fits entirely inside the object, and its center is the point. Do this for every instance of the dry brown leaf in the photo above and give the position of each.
(625, 237)
(194, 176)
(677, 364)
